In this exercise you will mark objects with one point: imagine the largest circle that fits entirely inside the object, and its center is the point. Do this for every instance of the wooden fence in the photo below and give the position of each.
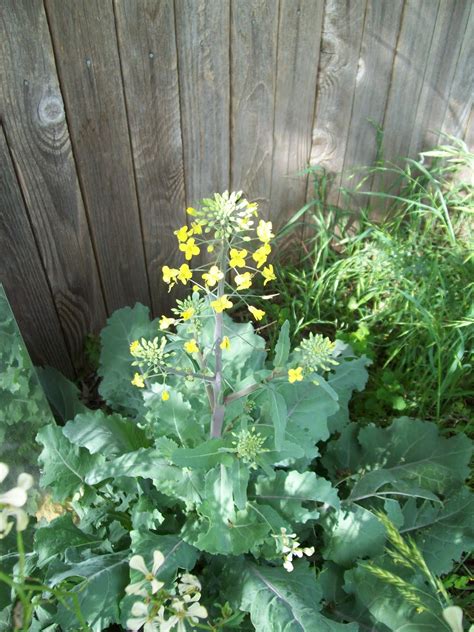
(117, 114)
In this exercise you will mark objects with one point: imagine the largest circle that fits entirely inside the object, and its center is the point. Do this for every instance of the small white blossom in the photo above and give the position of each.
(138, 563)
(142, 618)
(290, 548)
(183, 611)
(189, 587)
(11, 502)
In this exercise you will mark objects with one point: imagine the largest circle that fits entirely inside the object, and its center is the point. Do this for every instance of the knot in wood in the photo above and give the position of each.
(51, 110)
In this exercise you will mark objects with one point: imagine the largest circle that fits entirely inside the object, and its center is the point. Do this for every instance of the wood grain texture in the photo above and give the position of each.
(33, 115)
(412, 57)
(338, 66)
(202, 37)
(23, 277)
(449, 32)
(379, 40)
(254, 33)
(299, 43)
(462, 88)
(146, 32)
(84, 40)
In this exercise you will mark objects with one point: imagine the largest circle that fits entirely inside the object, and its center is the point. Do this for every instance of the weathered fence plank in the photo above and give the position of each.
(299, 43)
(84, 40)
(446, 44)
(202, 36)
(340, 48)
(459, 105)
(33, 116)
(146, 33)
(414, 43)
(254, 33)
(22, 274)
(379, 41)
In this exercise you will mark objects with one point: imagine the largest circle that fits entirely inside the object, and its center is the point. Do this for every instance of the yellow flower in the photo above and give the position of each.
(225, 344)
(220, 304)
(210, 248)
(134, 346)
(213, 276)
(268, 274)
(191, 346)
(190, 249)
(165, 396)
(197, 228)
(237, 258)
(185, 273)
(170, 275)
(195, 288)
(295, 375)
(260, 256)
(191, 211)
(138, 380)
(253, 206)
(264, 231)
(243, 281)
(184, 233)
(258, 314)
(166, 322)
(188, 313)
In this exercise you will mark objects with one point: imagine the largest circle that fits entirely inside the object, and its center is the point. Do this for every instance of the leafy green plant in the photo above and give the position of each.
(23, 406)
(224, 487)
(398, 288)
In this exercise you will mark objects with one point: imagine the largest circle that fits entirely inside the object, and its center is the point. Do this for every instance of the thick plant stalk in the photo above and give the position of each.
(219, 406)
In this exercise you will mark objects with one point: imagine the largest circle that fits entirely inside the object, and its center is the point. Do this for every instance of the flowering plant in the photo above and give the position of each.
(210, 494)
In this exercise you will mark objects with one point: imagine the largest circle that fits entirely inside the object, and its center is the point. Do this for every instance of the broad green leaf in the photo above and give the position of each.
(60, 534)
(286, 602)
(222, 529)
(65, 466)
(173, 418)
(348, 376)
(240, 474)
(148, 463)
(278, 415)
(110, 435)
(309, 407)
(205, 455)
(101, 584)
(343, 456)
(352, 533)
(62, 394)
(178, 553)
(289, 490)
(282, 347)
(115, 366)
(442, 532)
(410, 453)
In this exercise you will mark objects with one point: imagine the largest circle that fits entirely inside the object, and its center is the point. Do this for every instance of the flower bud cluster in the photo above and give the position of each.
(248, 446)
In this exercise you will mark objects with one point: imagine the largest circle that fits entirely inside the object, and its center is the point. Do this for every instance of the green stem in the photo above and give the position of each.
(218, 383)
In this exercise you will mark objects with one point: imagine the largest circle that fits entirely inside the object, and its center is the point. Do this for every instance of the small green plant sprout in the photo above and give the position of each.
(237, 242)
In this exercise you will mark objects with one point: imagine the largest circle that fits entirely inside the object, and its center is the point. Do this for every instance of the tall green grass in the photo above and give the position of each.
(400, 287)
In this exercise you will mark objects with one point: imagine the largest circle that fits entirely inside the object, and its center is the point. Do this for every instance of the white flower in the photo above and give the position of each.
(290, 548)
(142, 618)
(12, 501)
(138, 563)
(182, 612)
(189, 587)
